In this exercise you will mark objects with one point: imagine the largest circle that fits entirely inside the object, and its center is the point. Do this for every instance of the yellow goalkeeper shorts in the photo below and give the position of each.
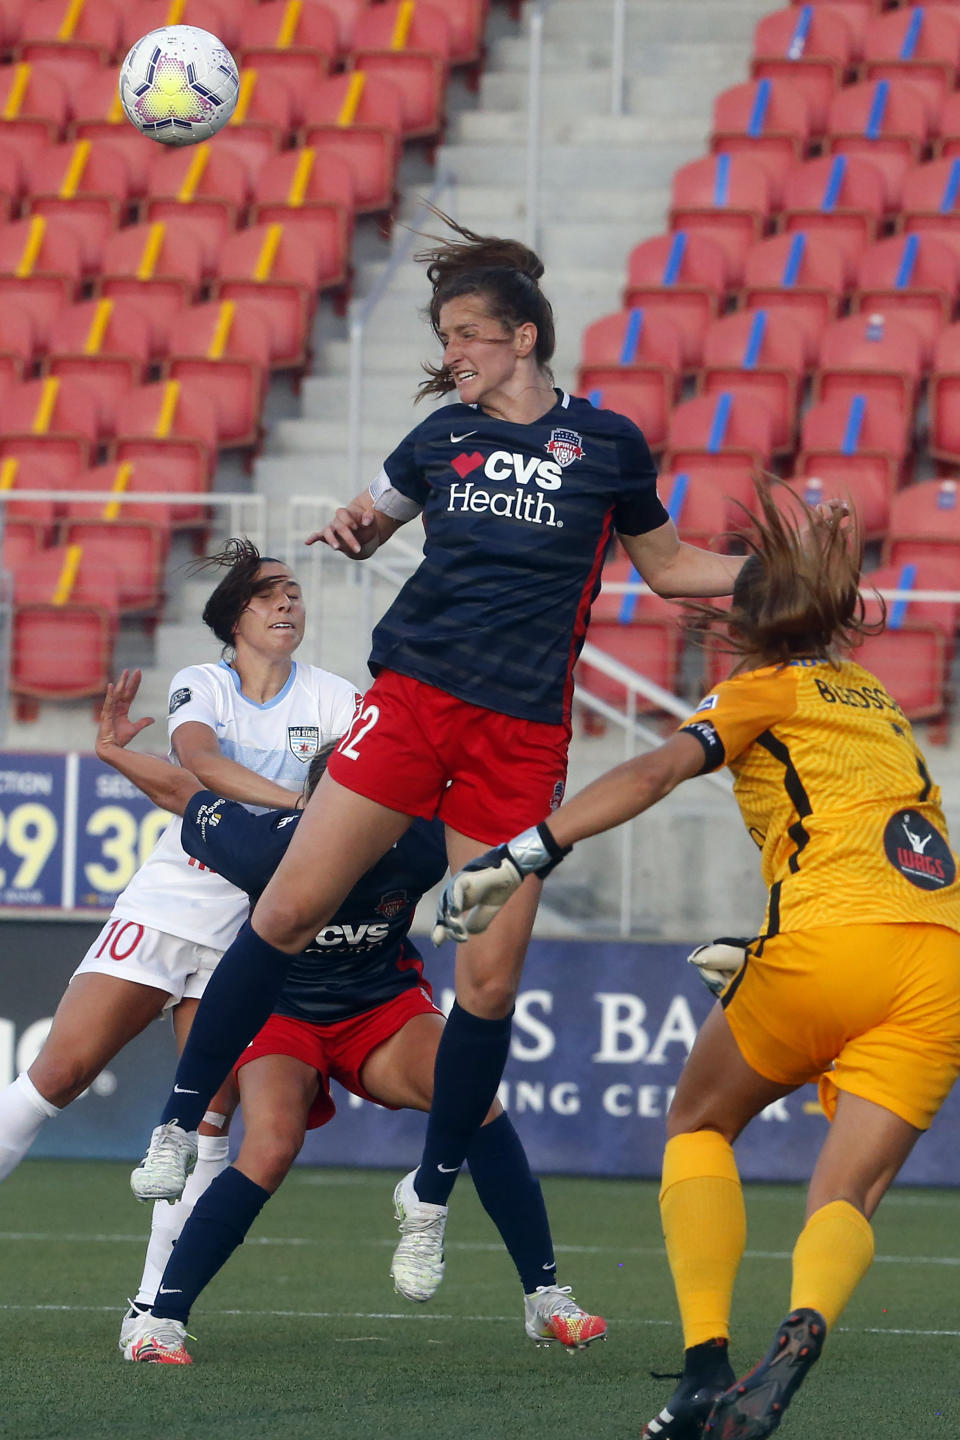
(870, 1009)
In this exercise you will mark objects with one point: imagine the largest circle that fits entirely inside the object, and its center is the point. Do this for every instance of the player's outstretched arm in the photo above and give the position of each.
(357, 529)
(166, 785)
(476, 893)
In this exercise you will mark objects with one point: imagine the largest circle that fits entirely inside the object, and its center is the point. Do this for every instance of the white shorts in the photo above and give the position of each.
(136, 952)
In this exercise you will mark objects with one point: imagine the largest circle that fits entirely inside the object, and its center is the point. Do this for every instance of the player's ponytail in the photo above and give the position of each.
(798, 593)
(504, 273)
(242, 560)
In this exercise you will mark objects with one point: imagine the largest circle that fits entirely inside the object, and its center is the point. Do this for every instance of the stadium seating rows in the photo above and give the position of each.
(800, 315)
(148, 293)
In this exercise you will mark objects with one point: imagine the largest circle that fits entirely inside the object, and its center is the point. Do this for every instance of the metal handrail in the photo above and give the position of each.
(360, 313)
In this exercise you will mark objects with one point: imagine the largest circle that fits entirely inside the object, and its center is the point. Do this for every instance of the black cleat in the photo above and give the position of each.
(685, 1413)
(753, 1407)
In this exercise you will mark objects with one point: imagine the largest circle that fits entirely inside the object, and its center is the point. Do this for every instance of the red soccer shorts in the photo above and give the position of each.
(422, 751)
(340, 1050)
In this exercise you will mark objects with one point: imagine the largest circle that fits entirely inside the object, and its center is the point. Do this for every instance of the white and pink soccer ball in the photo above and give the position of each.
(179, 85)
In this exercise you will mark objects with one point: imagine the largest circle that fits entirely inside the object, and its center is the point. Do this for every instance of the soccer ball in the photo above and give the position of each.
(179, 85)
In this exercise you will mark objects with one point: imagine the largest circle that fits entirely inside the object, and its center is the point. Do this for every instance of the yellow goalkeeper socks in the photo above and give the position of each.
(705, 1228)
(832, 1254)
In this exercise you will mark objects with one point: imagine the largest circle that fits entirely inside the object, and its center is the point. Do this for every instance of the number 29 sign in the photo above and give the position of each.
(72, 832)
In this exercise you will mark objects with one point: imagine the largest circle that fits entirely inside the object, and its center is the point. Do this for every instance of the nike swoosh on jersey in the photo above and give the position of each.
(179, 1090)
(455, 439)
(164, 1291)
(448, 1169)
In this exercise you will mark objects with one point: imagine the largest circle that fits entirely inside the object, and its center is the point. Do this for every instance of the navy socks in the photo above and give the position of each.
(468, 1070)
(219, 1223)
(512, 1198)
(236, 1003)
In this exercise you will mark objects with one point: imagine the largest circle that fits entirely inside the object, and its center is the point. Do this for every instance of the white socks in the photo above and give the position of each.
(22, 1112)
(168, 1220)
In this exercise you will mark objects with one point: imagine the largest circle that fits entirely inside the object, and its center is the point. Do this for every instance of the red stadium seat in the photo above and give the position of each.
(295, 42)
(11, 180)
(162, 473)
(931, 573)
(224, 350)
(467, 19)
(346, 13)
(877, 355)
(642, 632)
(200, 190)
(944, 394)
(155, 260)
(725, 197)
(930, 201)
(859, 445)
(765, 120)
(105, 342)
(919, 44)
(84, 184)
(634, 359)
(358, 119)
(57, 418)
(18, 342)
(408, 43)
(70, 37)
(98, 115)
(33, 109)
(20, 477)
(913, 663)
(169, 419)
(40, 269)
(844, 195)
(303, 187)
(683, 276)
(20, 541)
(699, 509)
(861, 481)
(757, 355)
(925, 525)
(913, 277)
(812, 49)
(262, 122)
(800, 274)
(65, 620)
(139, 17)
(280, 268)
(724, 433)
(885, 121)
(135, 541)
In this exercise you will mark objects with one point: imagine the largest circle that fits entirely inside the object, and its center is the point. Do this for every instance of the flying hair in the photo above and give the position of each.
(503, 273)
(242, 560)
(798, 593)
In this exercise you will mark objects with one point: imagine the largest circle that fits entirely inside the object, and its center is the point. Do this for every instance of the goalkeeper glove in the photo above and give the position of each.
(718, 962)
(474, 895)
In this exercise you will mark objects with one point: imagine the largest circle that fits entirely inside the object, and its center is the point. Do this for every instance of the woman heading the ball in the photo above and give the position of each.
(521, 488)
(854, 979)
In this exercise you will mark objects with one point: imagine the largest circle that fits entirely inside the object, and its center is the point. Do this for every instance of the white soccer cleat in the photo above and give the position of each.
(417, 1266)
(164, 1170)
(551, 1315)
(162, 1344)
(133, 1326)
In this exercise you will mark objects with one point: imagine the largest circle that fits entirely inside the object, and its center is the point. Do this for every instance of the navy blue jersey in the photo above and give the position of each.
(518, 519)
(363, 956)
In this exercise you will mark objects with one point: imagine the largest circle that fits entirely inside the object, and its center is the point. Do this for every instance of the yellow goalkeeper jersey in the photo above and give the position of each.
(835, 792)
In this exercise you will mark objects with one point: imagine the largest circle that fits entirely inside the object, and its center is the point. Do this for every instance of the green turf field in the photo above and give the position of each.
(302, 1335)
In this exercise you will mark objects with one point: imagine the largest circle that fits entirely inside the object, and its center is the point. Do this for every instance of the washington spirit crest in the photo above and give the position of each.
(393, 904)
(304, 741)
(565, 446)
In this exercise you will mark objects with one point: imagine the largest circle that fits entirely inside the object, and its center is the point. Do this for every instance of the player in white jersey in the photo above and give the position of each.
(248, 726)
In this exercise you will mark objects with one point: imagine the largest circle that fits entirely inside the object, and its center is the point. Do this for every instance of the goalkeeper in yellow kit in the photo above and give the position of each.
(854, 979)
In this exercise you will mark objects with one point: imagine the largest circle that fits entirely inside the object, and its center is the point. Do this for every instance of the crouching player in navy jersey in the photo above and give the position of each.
(355, 1007)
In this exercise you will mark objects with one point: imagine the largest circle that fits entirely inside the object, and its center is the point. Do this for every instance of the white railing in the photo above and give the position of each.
(361, 312)
(245, 513)
(536, 23)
